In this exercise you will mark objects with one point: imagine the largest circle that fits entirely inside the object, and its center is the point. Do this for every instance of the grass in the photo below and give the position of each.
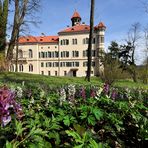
(18, 78)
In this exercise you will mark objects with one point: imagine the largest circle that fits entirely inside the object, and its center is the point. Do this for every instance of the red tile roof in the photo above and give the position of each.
(39, 39)
(100, 25)
(76, 15)
(77, 28)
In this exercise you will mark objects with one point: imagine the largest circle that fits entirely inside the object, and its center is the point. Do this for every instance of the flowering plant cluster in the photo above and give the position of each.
(8, 104)
(77, 116)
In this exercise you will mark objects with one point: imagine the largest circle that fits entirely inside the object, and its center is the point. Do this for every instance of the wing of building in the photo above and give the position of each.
(62, 55)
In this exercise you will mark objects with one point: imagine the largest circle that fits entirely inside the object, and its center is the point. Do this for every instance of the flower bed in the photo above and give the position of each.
(74, 116)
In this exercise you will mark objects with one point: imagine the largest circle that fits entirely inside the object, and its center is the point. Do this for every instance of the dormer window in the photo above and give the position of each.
(27, 39)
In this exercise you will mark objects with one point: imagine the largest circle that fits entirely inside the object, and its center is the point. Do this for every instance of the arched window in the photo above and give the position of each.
(11, 68)
(30, 53)
(30, 68)
(21, 68)
(20, 54)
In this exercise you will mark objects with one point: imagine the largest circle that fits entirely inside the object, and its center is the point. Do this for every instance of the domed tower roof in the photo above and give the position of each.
(100, 26)
(76, 15)
(76, 19)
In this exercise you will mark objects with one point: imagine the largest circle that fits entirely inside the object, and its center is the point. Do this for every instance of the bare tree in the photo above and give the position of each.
(145, 5)
(127, 54)
(23, 9)
(90, 41)
(133, 38)
(146, 42)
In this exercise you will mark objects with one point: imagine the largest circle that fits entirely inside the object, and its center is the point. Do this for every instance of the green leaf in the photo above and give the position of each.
(91, 120)
(75, 135)
(98, 113)
(66, 120)
(79, 146)
(19, 128)
(9, 145)
(79, 129)
(93, 144)
(39, 131)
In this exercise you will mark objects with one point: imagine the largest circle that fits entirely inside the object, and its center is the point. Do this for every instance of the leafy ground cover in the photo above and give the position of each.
(81, 116)
(46, 81)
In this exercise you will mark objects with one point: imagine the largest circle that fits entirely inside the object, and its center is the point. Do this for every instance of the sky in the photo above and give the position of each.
(117, 15)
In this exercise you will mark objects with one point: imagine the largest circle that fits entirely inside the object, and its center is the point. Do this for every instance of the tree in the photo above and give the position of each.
(111, 63)
(23, 9)
(90, 41)
(146, 44)
(127, 54)
(3, 23)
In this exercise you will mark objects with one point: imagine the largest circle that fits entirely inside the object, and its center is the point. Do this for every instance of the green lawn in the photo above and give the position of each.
(6, 78)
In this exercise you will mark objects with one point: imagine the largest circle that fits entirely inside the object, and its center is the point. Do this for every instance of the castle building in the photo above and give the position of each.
(62, 55)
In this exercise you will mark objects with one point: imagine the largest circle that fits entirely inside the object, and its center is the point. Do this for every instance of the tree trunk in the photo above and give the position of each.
(17, 46)
(18, 20)
(3, 24)
(88, 75)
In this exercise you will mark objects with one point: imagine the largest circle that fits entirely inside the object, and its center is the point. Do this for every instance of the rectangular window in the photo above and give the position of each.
(49, 54)
(65, 73)
(67, 54)
(84, 64)
(56, 54)
(42, 64)
(102, 39)
(93, 53)
(93, 64)
(42, 72)
(85, 53)
(77, 53)
(74, 41)
(48, 73)
(77, 64)
(94, 40)
(67, 42)
(52, 54)
(56, 73)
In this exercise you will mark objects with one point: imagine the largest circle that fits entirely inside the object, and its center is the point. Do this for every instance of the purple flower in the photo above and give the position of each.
(114, 94)
(92, 92)
(106, 88)
(83, 93)
(7, 101)
(6, 120)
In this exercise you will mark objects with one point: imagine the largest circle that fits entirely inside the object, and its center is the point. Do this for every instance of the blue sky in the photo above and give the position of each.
(117, 15)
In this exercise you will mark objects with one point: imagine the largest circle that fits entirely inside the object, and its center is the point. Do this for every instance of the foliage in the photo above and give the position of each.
(78, 116)
(111, 63)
